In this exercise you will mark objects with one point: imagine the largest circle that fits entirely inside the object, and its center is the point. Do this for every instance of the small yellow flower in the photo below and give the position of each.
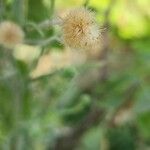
(10, 34)
(80, 29)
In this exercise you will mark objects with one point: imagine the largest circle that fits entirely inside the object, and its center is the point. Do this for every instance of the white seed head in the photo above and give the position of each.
(10, 34)
(80, 29)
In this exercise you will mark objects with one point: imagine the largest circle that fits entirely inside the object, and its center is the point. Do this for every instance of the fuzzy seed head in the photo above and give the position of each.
(80, 29)
(10, 34)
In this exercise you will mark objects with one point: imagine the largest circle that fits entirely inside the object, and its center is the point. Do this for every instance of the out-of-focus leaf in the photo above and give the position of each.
(91, 140)
(75, 113)
(121, 138)
(143, 123)
(37, 11)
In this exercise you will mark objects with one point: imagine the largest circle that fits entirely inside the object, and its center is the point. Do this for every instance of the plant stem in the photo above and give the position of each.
(52, 7)
(86, 3)
(19, 11)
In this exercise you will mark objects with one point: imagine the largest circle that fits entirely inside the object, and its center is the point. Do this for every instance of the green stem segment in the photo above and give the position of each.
(18, 10)
(52, 7)
(86, 3)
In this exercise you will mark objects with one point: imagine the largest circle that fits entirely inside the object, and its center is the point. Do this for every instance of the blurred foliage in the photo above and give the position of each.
(35, 113)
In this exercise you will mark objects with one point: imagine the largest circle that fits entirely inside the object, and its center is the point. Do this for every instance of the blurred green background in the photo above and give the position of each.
(55, 98)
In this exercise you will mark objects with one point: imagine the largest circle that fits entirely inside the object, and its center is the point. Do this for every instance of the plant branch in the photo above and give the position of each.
(69, 141)
(43, 42)
(126, 104)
